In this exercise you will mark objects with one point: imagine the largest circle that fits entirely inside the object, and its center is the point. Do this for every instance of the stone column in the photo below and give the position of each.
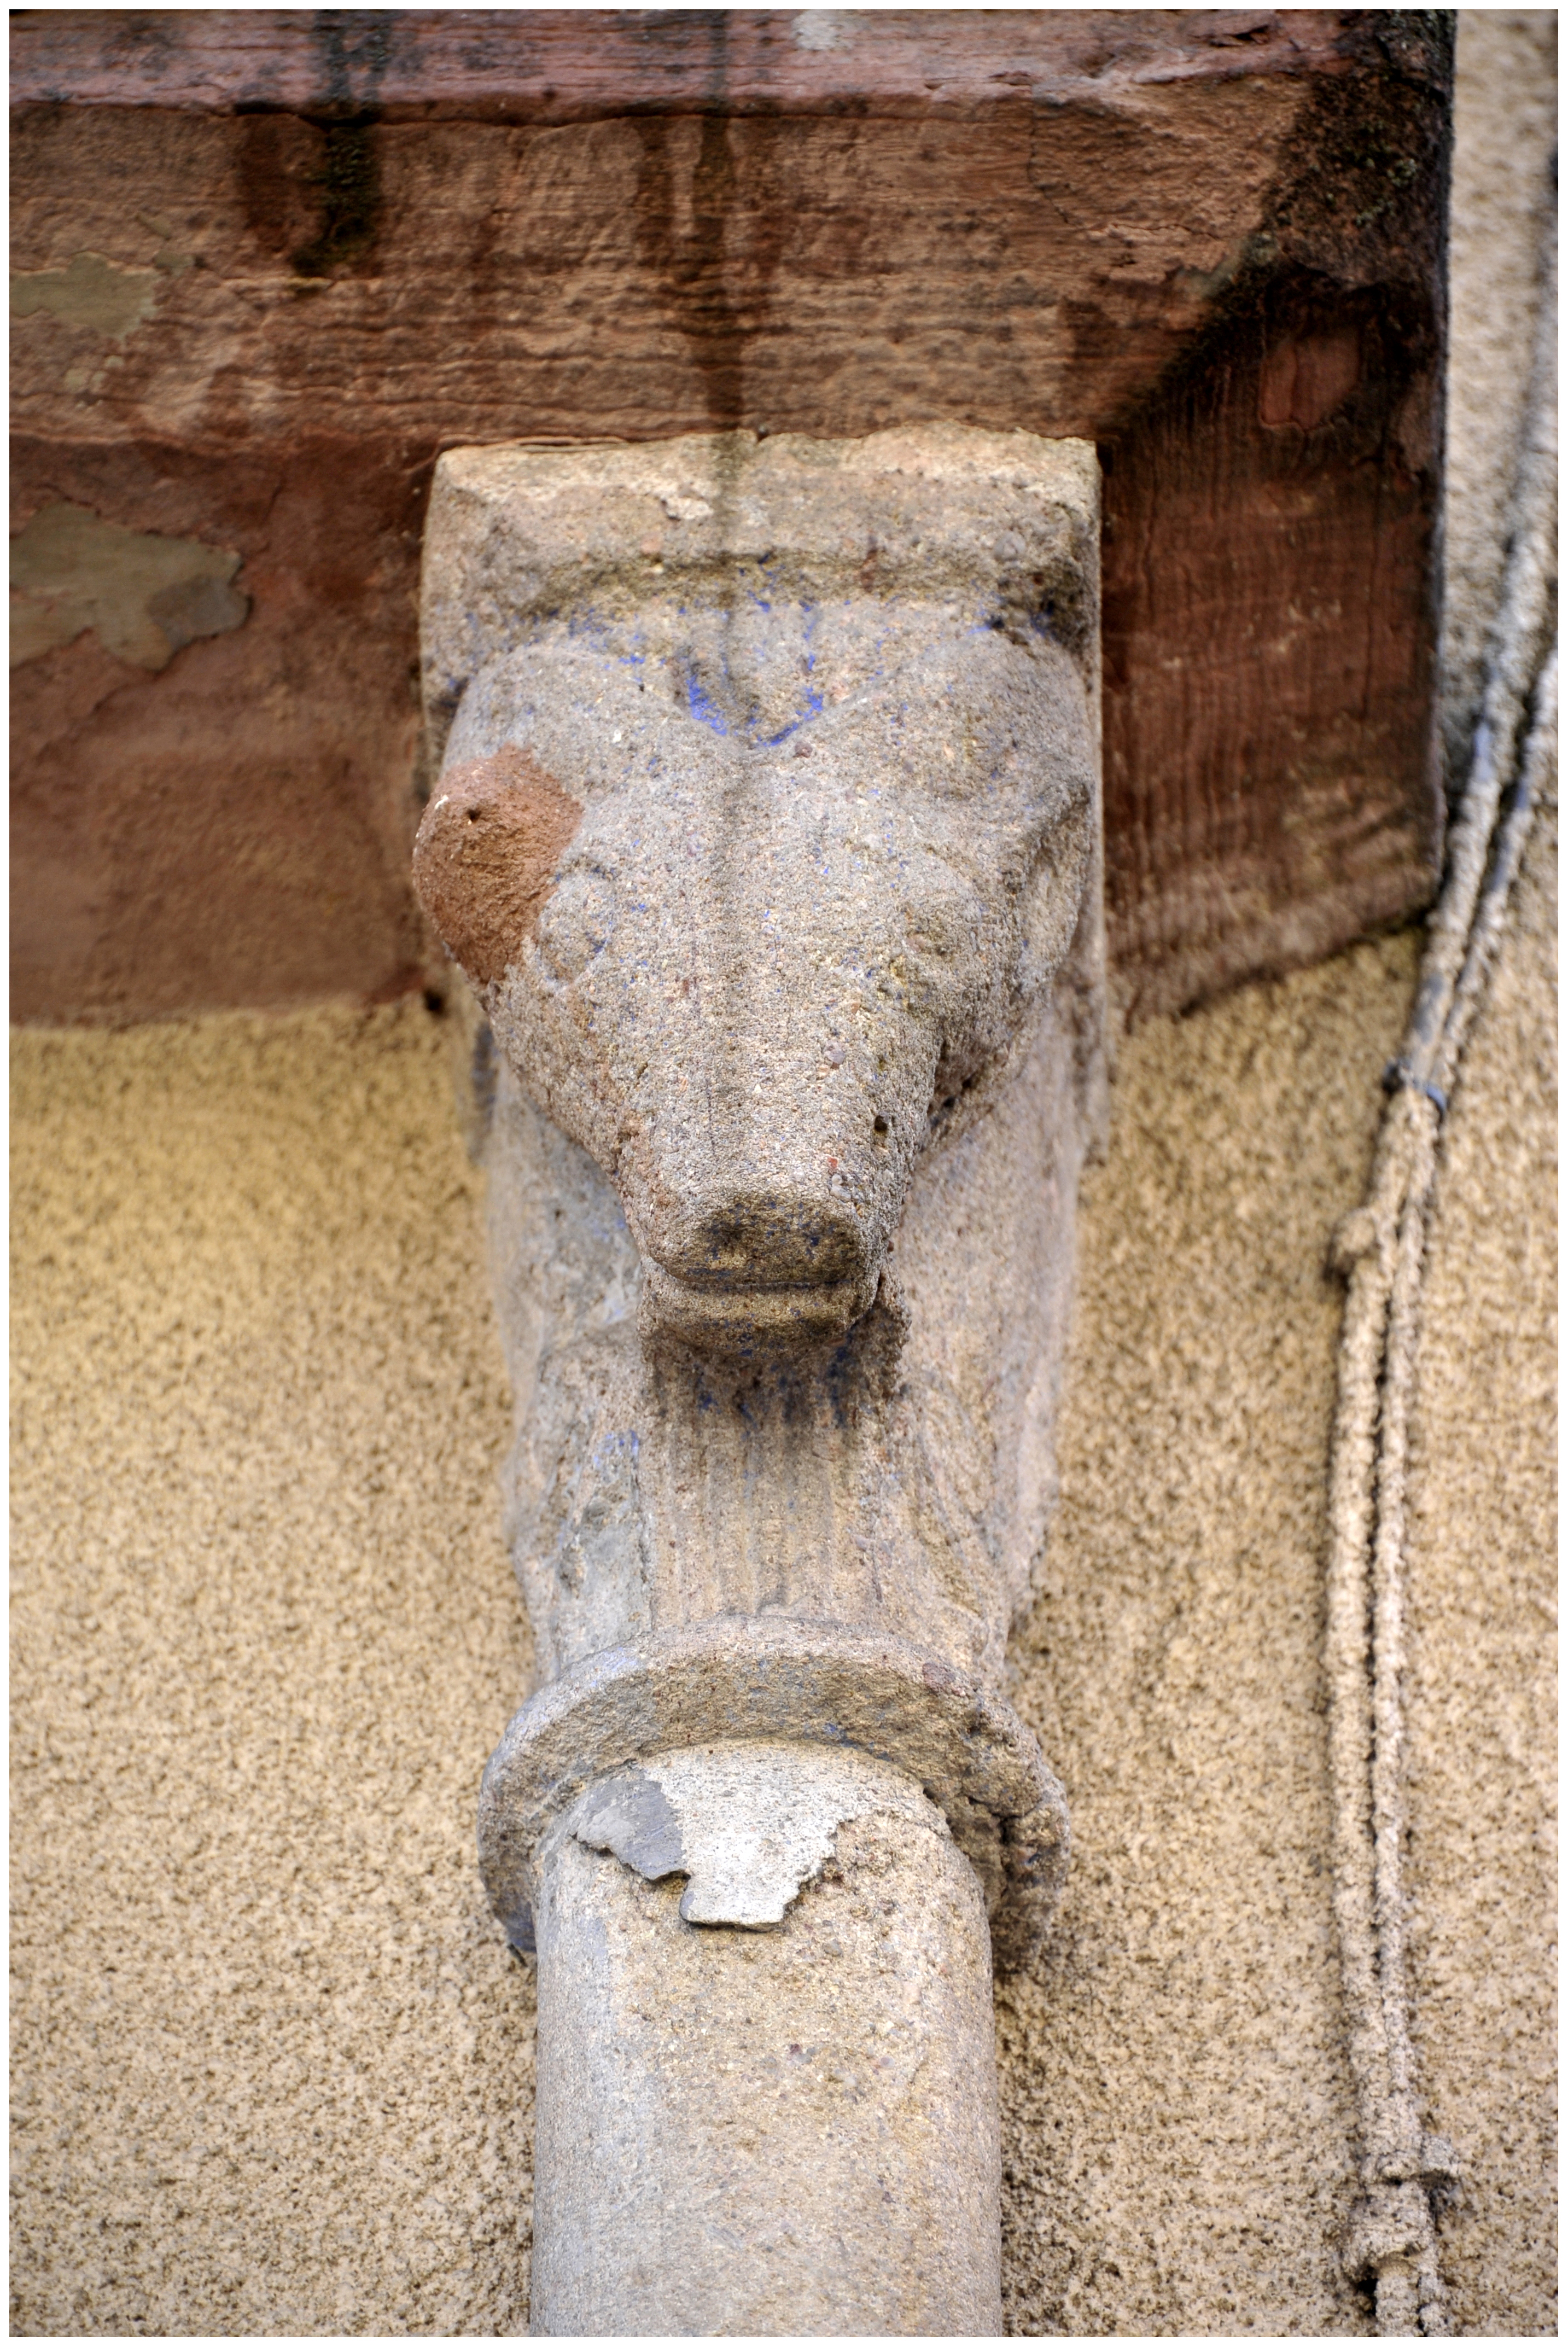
(764, 2130)
(768, 832)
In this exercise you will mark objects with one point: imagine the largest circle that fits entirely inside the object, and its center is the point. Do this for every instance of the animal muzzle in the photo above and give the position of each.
(758, 1264)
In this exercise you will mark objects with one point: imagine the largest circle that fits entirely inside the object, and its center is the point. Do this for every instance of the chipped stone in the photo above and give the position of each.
(747, 1824)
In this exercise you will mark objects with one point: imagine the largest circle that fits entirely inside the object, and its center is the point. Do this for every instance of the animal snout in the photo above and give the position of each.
(762, 1263)
(774, 1238)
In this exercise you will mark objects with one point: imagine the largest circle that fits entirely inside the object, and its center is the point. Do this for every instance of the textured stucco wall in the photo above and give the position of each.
(273, 2061)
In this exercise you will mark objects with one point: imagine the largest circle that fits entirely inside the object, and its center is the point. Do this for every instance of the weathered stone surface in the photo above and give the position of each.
(803, 1050)
(790, 2131)
(768, 828)
(731, 1678)
(272, 263)
(837, 769)
(746, 1824)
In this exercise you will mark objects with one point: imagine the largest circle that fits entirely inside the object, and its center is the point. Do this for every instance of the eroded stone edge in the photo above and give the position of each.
(787, 1681)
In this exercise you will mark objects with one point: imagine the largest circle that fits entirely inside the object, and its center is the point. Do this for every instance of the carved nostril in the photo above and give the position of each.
(772, 1239)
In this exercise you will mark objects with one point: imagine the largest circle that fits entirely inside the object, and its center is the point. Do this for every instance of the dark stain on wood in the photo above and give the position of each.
(715, 276)
(1211, 243)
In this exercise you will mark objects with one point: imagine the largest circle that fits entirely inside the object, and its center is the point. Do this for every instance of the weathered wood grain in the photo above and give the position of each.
(1211, 242)
(549, 66)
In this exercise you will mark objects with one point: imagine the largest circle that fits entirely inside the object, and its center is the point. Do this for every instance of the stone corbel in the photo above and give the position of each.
(767, 832)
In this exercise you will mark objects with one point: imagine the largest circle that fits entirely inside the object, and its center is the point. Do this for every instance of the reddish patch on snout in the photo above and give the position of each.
(487, 855)
(1303, 382)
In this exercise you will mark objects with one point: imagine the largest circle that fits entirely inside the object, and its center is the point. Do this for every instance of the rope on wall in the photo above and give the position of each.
(1382, 1246)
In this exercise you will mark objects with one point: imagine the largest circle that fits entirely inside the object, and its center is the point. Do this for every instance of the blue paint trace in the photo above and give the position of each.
(606, 636)
(705, 712)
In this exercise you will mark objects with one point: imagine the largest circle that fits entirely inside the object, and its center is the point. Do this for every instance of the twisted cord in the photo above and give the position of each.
(1382, 1246)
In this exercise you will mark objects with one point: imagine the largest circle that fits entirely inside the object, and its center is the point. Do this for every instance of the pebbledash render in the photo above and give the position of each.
(768, 832)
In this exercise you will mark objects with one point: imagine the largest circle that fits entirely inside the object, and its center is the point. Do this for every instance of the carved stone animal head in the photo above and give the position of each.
(760, 874)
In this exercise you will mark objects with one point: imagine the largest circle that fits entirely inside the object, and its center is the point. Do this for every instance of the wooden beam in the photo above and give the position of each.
(271, 263)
